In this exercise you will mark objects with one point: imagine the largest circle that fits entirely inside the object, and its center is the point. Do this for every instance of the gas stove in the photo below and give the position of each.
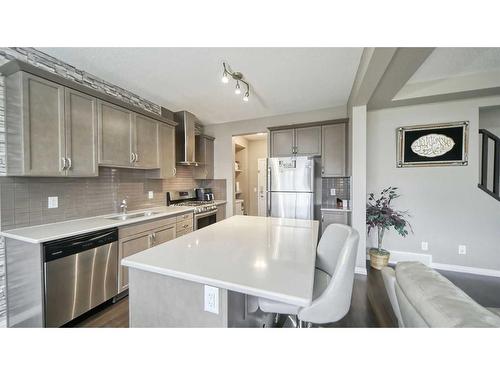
(188, 198)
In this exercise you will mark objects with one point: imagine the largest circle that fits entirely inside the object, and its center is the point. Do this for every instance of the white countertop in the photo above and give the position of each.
(261, 256)
(54, 231)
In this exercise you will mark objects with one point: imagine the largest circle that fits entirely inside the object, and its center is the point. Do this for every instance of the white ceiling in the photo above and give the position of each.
(283, 80)
(451, 62)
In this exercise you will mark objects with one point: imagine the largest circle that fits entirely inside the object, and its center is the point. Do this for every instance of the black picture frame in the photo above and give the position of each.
(444, 144)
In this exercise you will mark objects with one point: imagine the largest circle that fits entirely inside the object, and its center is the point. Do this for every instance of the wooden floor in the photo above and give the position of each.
(370, 306)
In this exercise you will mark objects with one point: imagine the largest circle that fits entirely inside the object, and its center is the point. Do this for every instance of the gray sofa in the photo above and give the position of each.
(421, 297)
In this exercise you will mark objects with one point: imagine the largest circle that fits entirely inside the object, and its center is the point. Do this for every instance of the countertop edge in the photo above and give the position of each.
(217, 283)
(336, 209)
(116, 224)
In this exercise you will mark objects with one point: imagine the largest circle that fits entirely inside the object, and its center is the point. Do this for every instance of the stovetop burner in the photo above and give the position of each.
(188, 198)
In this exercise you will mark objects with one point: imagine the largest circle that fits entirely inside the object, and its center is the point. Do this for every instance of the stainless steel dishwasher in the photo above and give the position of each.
(80, 273)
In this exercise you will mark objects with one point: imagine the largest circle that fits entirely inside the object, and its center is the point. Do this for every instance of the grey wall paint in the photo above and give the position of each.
(446, 205)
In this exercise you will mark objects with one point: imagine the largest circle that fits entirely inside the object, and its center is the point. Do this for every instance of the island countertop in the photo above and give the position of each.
(261, 256)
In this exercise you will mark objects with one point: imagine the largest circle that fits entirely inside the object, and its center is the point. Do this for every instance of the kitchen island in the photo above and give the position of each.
(202, 279)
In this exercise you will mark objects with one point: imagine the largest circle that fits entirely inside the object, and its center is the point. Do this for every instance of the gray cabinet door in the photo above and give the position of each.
(81, 134)
(166, 151)
(115, 135)
(44, 131)
(164, 234)
(308, 141)
(204, 155)
(221, 212)
(209, 153)
(328, 218)
(146, 143)
(130, 246)
(282, 142)
(333, 158)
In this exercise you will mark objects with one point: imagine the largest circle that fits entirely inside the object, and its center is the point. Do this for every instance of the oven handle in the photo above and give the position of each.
(205, 214)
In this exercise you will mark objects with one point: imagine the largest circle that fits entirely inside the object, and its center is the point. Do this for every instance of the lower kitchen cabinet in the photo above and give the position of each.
(138, 237)
(333, 217)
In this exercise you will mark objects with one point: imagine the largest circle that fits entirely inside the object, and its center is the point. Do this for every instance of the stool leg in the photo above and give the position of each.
(294, 322)
(309, 325)
(276, 318)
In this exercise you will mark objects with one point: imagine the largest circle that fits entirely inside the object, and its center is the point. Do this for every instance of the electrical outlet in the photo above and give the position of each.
(333, 191)
(462, 249)
(211, 299)
(53, 202)
(150, 194)
(425, 246)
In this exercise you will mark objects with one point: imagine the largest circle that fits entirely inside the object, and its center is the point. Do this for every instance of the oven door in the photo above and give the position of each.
(205, 219)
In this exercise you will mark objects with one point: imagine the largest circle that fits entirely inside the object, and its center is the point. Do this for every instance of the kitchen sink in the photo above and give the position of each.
(124, 217)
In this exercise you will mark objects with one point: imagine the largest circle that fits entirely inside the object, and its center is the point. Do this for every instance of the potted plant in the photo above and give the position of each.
(381, 216)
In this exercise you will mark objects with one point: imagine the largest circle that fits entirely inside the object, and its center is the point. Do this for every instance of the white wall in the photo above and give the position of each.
(446, 206)
(223, 133)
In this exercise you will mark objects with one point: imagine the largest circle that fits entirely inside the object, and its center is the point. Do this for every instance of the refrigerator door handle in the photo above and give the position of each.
(268, 191)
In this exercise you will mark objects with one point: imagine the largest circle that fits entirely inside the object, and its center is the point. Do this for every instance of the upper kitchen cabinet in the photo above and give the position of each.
(333, 158)
(282, 142)
(204, 151)
(50, 129)
(166, 153)
(305, 141)
(81, 134)
(308, 141)
(115, 136)
(146, 143)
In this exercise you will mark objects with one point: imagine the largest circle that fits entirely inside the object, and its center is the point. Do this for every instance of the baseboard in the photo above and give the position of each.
(465, 269)
(360, 270)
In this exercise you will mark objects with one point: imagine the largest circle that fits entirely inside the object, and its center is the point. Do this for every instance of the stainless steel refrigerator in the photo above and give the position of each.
(290, 187)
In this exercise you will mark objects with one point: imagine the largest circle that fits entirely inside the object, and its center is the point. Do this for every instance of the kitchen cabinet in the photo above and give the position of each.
(221, 212)
(51, 130)
(204, 151)
(115, 135)
(333, 158)
(81, 134)
(333, 217)
(166, 153)
(304, 141)
(145, 143)
(139, 237)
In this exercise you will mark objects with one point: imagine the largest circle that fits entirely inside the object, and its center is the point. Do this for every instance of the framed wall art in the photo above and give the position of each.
(432, 145)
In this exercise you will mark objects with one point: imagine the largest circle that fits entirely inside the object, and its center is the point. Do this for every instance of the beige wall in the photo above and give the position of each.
(256, 150)
(446, 206)
(223, 134)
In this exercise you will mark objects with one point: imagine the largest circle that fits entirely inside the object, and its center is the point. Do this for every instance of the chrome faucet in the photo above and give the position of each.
(124, 206)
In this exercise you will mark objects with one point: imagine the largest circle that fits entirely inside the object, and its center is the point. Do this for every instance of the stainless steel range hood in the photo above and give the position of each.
(185, 138)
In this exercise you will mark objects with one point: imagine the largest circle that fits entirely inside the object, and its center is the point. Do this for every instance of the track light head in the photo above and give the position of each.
(237, 90)
(245, 98)
(225, 79)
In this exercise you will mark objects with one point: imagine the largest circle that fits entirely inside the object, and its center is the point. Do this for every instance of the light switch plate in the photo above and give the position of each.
(462, 249)
(211, 299)
(150, 194)
(333, 191)
(53, 202)
(425, 246)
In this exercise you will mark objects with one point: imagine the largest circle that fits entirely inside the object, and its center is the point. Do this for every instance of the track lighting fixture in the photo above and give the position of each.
(238, 77)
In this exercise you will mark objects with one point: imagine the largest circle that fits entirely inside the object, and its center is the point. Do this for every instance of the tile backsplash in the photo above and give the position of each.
(24, 200)
(342, 185)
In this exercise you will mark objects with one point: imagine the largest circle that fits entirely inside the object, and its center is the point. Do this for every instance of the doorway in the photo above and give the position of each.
(250, 174)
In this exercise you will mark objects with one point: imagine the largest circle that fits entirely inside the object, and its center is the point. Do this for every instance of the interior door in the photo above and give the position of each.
(81, 133)
(115, 135)
(261, 187)
(44, 139)
(146, 142)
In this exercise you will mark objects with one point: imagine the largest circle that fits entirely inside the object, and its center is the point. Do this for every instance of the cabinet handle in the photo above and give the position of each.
(154, 238)
(136, 157)
(64, 164)
(322, 170)
(70, 163)
(175, 171)
(132, 157)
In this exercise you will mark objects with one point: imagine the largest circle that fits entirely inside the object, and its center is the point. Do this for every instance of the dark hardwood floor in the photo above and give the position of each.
(370, 306)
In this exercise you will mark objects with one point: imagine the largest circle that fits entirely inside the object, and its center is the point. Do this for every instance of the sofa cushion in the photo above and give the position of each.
(438, 301)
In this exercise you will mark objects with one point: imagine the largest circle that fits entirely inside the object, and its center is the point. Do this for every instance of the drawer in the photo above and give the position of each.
(183, 225)
(183, 232)
(149, 225)
(186, 216)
